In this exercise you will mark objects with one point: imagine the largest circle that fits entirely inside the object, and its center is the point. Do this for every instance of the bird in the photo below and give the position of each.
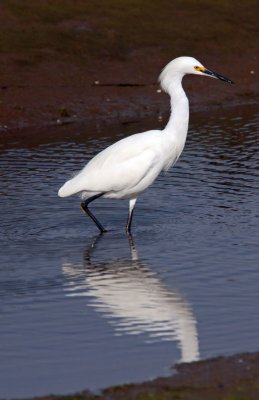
(129, 166)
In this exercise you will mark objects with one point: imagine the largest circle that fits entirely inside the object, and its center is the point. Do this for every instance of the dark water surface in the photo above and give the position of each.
(80, 311)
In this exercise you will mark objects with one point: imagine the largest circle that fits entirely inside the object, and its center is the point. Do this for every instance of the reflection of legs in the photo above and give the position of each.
(133, 249)
(90, 248)
(84, 206)
(131, 209)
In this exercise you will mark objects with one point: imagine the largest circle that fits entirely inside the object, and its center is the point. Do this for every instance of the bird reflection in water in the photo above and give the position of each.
(134, 300)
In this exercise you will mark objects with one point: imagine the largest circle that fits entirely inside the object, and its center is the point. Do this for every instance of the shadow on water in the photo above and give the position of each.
(133, 299)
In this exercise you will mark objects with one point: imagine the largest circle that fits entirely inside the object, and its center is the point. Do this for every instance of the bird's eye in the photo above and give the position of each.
(197, 68)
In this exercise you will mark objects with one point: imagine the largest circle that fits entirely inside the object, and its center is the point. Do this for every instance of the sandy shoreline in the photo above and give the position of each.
(114, 101)
(222, 378)
(62, 64)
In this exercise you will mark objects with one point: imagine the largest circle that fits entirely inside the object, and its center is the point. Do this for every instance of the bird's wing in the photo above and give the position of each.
(122, 165)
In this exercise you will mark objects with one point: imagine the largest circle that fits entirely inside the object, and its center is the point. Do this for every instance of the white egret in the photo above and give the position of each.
(128, 167)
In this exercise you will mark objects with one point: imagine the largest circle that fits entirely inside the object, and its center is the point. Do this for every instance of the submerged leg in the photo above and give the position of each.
(132, 203)
(84, 206)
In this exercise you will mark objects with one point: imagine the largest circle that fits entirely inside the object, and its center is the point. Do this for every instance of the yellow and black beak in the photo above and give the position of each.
(216, 75)
(213, 74)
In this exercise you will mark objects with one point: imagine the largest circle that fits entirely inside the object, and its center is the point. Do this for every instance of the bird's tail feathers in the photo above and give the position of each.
(69, 188)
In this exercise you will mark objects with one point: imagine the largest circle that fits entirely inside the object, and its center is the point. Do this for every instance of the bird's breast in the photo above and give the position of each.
(171, 152)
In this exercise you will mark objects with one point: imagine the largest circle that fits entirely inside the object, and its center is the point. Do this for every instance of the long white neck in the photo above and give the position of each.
(177, 125)
(175, 133)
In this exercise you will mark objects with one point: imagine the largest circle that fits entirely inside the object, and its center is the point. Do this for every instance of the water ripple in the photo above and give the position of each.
(68, 301)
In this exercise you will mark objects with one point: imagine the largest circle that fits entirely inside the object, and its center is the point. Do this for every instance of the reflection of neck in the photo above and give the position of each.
(141, 304)
(188, 336)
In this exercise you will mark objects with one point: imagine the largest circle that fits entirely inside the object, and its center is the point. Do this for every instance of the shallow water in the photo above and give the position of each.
(80, 310)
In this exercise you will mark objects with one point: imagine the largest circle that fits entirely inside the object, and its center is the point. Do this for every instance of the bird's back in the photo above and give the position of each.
(117, 167)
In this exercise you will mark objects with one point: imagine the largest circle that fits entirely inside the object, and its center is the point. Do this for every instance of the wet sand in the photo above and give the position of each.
(63, 64)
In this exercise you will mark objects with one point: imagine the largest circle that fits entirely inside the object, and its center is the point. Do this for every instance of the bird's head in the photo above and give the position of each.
(181, 66)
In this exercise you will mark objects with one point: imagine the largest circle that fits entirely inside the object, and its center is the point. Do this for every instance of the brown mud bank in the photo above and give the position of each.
(98, 62)
(223, 378)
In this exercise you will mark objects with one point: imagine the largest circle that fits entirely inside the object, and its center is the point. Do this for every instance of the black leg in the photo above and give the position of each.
(130, 215)
(129, 221)
(90, 249)
(84, 206)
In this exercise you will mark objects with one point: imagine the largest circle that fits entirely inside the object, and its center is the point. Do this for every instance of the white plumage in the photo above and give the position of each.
(129, 166)
(118, 171)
